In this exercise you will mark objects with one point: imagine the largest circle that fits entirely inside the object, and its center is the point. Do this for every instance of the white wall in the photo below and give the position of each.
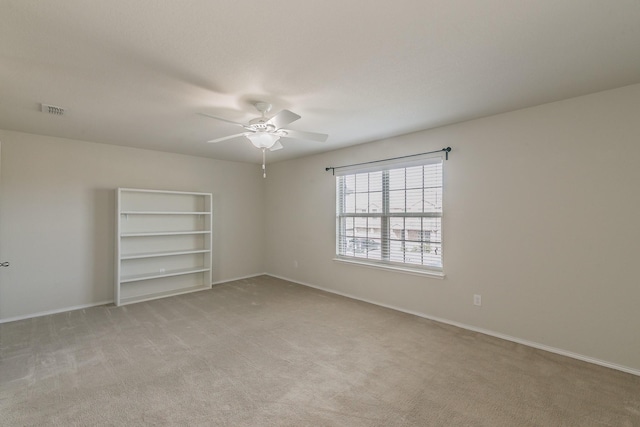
(57, 216)
(541, 218)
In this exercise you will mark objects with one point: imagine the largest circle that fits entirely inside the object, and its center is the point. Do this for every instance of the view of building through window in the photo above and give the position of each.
(392, 216)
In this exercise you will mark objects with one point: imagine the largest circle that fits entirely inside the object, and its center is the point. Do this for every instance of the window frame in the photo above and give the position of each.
(385, 215)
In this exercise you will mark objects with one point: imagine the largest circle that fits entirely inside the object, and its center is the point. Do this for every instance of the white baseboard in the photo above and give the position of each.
(475, 329)
(239, 278)
(95, 304)
(56, 311)
(415, 313)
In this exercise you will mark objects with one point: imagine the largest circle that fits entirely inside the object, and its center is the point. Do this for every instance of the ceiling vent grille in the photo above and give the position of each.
(52, 109)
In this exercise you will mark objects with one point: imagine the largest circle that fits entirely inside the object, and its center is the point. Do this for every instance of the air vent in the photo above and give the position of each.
(52, 109)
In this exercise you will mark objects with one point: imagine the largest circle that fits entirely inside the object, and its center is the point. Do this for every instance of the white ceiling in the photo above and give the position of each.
(136, 72)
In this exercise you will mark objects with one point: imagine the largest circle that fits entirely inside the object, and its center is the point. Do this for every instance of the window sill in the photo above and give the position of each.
(406, 270)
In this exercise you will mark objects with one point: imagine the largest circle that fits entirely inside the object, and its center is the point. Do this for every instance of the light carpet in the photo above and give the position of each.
(267, 352)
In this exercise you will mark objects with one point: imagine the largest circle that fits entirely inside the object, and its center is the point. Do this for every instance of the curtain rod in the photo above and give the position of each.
(446, 151)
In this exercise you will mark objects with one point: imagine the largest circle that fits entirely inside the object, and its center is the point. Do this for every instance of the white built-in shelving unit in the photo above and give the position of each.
(163, 244)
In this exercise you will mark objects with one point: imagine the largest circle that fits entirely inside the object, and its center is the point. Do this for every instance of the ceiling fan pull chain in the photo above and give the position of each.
(264, 167)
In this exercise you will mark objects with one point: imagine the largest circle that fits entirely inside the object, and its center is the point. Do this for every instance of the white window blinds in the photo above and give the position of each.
(391, 213)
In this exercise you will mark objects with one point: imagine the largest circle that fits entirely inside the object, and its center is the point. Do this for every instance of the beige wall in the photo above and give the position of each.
(57, 216)
(540, 219)
(542, 209)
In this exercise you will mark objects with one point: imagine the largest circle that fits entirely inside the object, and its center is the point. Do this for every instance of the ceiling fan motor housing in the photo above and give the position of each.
(261, 125)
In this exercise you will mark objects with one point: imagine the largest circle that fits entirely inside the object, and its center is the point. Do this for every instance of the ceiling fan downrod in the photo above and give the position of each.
(264, 167)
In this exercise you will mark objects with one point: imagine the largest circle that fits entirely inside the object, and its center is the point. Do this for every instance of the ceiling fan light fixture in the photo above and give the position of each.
(263, 139)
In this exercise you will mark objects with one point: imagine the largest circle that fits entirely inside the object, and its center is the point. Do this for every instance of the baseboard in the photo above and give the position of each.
(56, 311)
(475, 329)
(415, 313)
(95, 304)
(239, 278)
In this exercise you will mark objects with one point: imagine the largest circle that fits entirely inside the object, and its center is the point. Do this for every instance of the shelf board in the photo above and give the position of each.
(162, 213)
(179, 193)
(157, 295)
(162, 233)
(160, 254)
(170, 273)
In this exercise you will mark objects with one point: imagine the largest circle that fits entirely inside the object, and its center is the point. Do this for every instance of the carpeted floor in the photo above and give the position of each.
(266, 352)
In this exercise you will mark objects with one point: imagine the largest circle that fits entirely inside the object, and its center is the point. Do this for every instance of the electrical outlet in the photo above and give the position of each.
(477, 300)
(162, 270)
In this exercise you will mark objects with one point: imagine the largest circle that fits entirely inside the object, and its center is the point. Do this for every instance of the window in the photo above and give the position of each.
(391, 216)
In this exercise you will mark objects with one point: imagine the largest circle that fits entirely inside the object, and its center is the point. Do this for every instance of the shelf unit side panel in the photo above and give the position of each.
(118, 249)
(209, 237)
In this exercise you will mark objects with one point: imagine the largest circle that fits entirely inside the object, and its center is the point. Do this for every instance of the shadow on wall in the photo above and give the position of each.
(103, 228)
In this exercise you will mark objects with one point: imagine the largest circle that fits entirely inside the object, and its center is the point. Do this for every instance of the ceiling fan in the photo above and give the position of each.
(265, 133)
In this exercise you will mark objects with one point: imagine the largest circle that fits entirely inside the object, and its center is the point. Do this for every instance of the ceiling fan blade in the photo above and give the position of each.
(223, 120)
(277, 146)
(310, 136)
(283, 118)
(224, 138)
